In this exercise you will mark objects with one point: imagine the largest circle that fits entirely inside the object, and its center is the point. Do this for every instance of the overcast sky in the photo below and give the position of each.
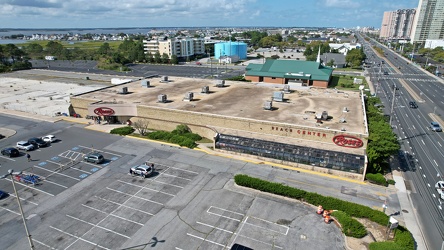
(195, 13)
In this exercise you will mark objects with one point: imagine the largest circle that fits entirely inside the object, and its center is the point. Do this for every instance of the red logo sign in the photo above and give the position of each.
(348, 141)
(104, 111)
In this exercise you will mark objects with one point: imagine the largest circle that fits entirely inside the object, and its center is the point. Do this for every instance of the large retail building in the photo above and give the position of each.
(317, 129)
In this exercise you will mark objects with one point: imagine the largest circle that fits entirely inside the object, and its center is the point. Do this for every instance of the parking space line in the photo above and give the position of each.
(131, 184)
(230, 218)
(28, 186)
(98, 150)
(43, 244)
(135, 209)
(240, 228)
(9, 210)
(175, 176)
(56, 172)
(134, 195)
(53, 162)
(161, 173)
(243, 236)
(185, 170)
(55, 183)
(111, 214)
(200, 238)
(23, 199)
(104, 228)
(167, 184)
(285, 227)
(78, 238)
(7, 158)
(93, 164)
(84, 171)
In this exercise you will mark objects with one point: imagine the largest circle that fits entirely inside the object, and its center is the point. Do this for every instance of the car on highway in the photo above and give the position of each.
(413, 105)
(386, 73)
(38, 142)
(95, 157)
(434, 126)
(24, 145)
(49, 138)
(440, 188)
(10, 152)
(144, 170)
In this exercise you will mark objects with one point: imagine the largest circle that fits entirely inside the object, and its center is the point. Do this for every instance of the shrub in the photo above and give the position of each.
(350, 226)
(377, 179)
(391, 182)
(123, 130)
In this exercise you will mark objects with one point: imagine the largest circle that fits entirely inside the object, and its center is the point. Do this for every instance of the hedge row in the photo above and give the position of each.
(181, 140)
(123, 130)
(377, 179)
(350, 226)
(403, 238)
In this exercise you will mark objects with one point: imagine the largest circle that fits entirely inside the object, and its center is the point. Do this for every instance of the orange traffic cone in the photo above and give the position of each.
(320, 210)
(327, 219)
(325, 213)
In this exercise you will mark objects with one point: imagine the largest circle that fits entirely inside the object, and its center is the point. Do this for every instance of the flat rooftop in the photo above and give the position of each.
(244, 100)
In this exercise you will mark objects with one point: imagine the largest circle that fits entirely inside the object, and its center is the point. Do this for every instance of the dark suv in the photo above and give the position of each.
(413, 105)
(94, 158)
(38, 142)
(10, 152)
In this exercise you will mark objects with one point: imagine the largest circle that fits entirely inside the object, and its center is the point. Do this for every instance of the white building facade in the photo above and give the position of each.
(180, 47)
(429, 21)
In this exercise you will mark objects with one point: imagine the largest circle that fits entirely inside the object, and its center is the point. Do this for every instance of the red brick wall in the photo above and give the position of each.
(252, 78)
(320, 84)
(277, 80)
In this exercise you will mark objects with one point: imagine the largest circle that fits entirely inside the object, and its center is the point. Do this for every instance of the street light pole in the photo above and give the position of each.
(10, 172)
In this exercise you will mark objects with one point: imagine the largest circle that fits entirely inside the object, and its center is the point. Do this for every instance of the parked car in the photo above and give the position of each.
(413, 105)
(49, 138)
(434, 126)
(24, 145)
(10, 152)
(386, 73)
(3, 194)
(440, 188)
(95, 157)
(144, 170)
(38, 142)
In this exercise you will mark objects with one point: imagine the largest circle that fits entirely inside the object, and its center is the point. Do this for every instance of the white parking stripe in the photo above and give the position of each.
(72, 235)
(270, 222)
(53, 162)
(111, 214)
(131, 184)
(43, 244)
(7, 158)
(200, 238)
(175, 176)
(138, 197)
(55, 172)
(167, 184)
(55, 183)
(23, 199)
(9, 210)
(220, 229)
(185, 170)
(104, 228)
(135, 209)
(98, 150)
(28, 186)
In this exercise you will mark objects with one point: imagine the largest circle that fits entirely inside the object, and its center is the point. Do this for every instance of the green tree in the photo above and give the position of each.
(54, 48)
(165, 58)
(157, 57)
(354, 57)
(104, 49)
(331, 63)
(149, 57)
(174, 59)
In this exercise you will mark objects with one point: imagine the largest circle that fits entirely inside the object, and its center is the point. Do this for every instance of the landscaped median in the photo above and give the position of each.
(345, 212)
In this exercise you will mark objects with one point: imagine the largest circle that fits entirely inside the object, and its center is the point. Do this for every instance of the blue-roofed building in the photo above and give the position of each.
(231, 49)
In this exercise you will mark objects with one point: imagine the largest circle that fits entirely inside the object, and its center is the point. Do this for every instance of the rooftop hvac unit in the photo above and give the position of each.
(164, 79)
(286, 89)
(124, 91)
(220, 83)
(145, 83)
(162, 98)
(189, 96)
(278, 96)
(205, 90)
(268, 105)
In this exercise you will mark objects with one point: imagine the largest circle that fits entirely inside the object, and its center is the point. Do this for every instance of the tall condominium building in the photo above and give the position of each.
(397, 24)
(429, 21)
(181, 47)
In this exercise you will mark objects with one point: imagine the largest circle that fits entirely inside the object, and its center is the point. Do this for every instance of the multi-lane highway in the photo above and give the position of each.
(421, 155)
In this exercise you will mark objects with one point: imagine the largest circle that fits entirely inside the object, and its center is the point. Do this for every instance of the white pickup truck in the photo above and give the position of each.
(440, 188)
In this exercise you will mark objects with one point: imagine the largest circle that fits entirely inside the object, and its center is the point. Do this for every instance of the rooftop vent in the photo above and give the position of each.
(220, 83)
(162, 98)
(189, 97)
(164, 79)
(287, 89)
(268, 105)
(278, 96)
(146, 84)
(205, 90)
(124, 91)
